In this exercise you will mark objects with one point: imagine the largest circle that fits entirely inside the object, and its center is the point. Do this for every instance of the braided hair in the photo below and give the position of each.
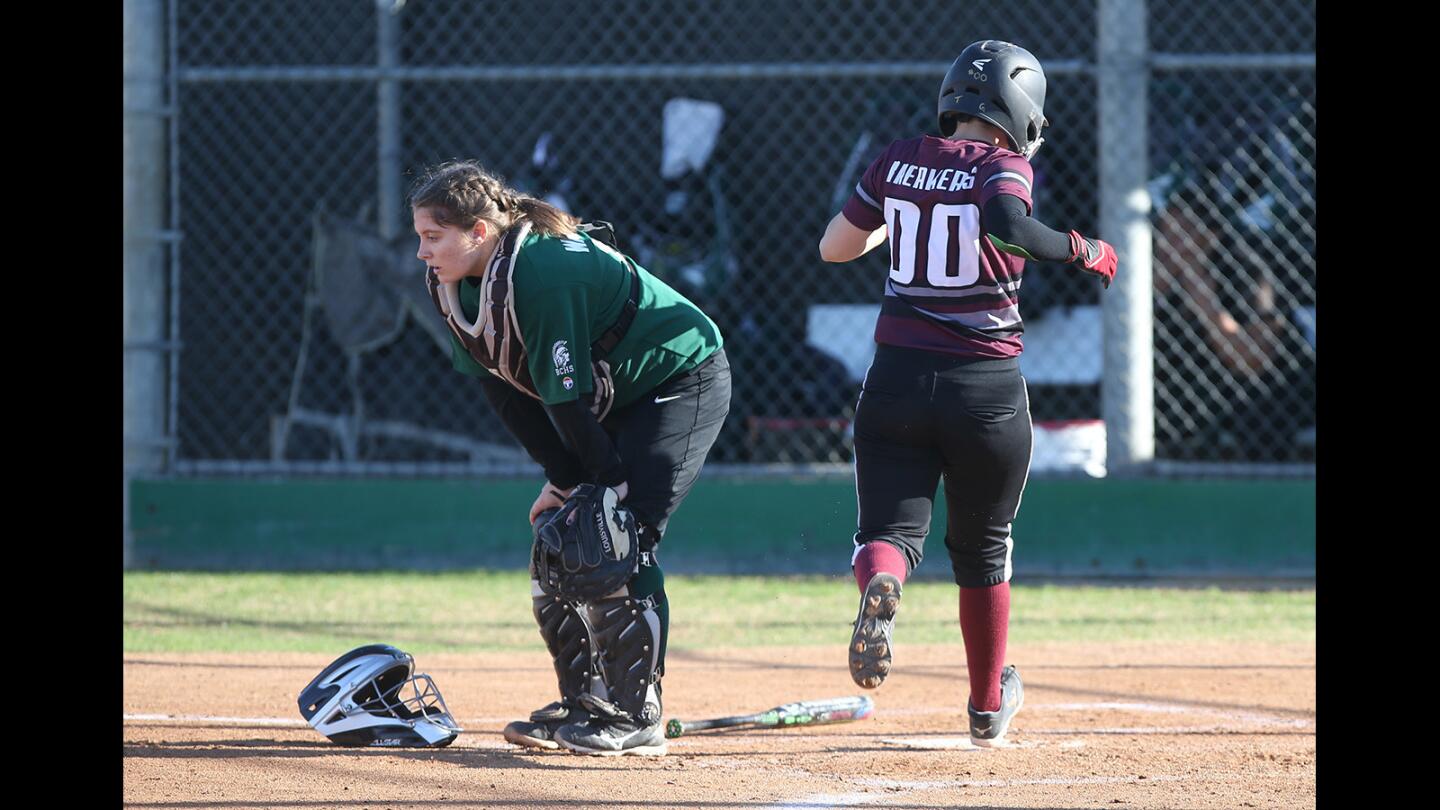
(462, 193)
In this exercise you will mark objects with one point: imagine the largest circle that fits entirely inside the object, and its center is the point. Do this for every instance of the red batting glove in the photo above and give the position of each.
(1093, 256)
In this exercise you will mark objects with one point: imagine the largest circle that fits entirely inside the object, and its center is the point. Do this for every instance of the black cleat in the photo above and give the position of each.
(612, 732)
(539, 730)
(870, 643)
(613, 738)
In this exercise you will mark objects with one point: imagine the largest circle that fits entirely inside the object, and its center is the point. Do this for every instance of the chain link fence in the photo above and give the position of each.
(719, 138)
(1235, 267)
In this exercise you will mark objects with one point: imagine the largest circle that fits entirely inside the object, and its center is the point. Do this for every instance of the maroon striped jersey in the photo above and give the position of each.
(950, 290)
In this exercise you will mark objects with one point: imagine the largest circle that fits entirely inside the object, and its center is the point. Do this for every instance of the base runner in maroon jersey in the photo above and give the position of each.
(944, 397)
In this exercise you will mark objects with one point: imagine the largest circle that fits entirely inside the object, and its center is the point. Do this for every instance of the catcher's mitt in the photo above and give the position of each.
(589, 548)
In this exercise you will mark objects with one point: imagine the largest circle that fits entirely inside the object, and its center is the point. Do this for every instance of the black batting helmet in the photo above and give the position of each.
(1001, 83)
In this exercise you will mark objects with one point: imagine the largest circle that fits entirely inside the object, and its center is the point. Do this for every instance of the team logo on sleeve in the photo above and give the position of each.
(560, 353)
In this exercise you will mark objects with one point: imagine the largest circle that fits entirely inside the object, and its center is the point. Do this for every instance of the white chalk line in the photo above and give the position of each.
(1153, 708)
(1247, 719)
(1161, 708)
(1158, 708)
(285, 722)
(1254, 718)
(965, 744)
(1258, 718)
(827, 801)
(831, 801)
(924, 784)
(213, 720)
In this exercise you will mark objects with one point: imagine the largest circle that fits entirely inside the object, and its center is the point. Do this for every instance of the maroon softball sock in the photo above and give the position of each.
(877, 556)
(985, 626)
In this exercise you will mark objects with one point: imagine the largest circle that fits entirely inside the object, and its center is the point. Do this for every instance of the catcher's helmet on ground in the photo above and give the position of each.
(372, 696)
(1001, 83)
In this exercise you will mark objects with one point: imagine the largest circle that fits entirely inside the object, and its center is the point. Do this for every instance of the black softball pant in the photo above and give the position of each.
(923, 416)
(664, 438)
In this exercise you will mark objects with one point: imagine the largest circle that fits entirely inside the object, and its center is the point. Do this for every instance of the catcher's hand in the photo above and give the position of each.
(550, 497)
(589, 530)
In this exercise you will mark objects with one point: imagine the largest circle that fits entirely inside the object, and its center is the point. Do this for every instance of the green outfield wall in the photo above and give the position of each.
(1066, 527)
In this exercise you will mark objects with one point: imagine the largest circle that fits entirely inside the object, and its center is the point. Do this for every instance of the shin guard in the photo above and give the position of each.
(566, 637)
(625, 635)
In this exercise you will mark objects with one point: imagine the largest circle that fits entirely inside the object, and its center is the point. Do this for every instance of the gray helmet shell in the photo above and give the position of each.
(373, 696)
(1001, 83)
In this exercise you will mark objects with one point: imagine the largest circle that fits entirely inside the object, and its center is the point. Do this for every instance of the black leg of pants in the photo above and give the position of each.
(922, 416)
(664, 438)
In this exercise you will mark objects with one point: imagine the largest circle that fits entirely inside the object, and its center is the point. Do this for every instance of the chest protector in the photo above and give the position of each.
(494, 339)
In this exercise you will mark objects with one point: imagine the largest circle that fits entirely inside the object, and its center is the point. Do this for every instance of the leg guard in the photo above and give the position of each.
(626, 633)
(568, 642)
(563, 629)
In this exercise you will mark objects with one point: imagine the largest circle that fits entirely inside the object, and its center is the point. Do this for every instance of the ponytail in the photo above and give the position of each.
(544, 217)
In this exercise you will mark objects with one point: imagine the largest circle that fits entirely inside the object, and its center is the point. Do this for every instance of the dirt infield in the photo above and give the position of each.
(1139, 725)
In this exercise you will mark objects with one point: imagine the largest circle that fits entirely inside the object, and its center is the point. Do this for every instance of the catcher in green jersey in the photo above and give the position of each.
(617, 386)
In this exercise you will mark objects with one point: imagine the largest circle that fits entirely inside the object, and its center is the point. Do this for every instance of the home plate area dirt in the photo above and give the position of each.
(1151, 725)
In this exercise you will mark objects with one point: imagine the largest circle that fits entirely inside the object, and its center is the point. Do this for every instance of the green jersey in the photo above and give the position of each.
(567, 292)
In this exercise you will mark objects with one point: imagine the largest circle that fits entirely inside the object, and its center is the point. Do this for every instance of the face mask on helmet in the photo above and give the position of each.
(372, 696)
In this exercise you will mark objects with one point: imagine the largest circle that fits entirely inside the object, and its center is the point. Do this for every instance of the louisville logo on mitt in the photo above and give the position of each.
(589, 547)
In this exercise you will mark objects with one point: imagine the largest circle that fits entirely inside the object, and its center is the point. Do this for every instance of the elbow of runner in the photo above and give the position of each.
(829, 253)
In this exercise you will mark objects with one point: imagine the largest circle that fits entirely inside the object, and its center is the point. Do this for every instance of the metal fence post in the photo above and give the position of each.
(144, 299)
(387, 99)
(1127, 391)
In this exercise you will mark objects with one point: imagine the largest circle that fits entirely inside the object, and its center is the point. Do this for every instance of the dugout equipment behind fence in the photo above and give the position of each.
(1223, 103)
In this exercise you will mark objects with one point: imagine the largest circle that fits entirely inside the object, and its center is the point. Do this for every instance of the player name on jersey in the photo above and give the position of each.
(925, 178)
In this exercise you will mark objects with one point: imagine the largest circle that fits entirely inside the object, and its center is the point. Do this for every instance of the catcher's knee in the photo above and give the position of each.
(587, 550)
